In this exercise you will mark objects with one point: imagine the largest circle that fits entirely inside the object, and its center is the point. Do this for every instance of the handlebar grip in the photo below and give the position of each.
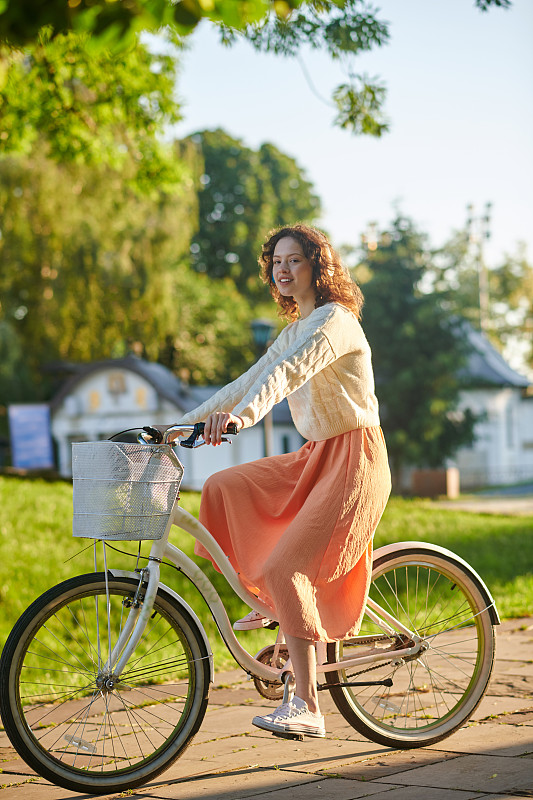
(231, 429)
(198, 431)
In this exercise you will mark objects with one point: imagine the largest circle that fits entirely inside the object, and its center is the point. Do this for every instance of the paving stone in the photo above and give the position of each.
(41, 790)
(494, 706)
(14, 765)
(515, 645)
(423, 793)
(524, 717)
(496, 738)
(328, 789)
(13, 779)
(473, 773)
(518, 668)
(220, 722)
(338, 728)
(236, 696)
(505, 685)
(230, 676)
(505, 796)
(233, 785)
(389, 764)
(516, 625)
(212, 762)
(264, 750)
(313, 755)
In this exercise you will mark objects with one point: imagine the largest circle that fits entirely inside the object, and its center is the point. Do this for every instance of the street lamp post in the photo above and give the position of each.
(478, 229)
(262, 331)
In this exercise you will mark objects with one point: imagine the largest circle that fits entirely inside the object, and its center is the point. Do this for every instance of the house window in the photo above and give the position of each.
(94, 400)
(116, 383)
(140, 397)
(285, 444)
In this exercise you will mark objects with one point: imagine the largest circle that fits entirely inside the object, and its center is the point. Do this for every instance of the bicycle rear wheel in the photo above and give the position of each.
(78, 726)
(435, 692)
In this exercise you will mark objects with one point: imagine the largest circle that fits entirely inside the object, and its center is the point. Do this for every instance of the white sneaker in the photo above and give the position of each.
(252, 621)
(292, 718)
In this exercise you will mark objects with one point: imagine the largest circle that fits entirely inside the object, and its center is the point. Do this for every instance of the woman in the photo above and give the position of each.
(298, 528)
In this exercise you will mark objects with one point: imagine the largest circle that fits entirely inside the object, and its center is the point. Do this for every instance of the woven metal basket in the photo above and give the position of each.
(123, 491)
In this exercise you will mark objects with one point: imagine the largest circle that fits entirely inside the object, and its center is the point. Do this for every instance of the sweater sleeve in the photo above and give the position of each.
(317, 347)
(231, 394)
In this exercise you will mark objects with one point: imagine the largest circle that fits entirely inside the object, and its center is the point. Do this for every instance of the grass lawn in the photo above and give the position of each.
(37, 551)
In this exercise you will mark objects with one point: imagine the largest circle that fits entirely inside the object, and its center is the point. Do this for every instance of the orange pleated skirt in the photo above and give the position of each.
(298, 529)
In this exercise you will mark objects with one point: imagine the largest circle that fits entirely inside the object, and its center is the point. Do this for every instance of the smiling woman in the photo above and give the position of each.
(288, 253)
(307, 561)
(293, 274)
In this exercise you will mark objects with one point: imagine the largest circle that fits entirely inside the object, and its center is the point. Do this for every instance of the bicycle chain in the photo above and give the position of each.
(369, 669)
(382, 637)
(371, 640)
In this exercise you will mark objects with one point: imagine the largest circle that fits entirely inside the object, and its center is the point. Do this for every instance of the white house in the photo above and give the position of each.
(503, 399)
(107, 397)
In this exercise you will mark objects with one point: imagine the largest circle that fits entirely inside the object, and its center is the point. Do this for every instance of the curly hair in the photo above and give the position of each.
(332, 282)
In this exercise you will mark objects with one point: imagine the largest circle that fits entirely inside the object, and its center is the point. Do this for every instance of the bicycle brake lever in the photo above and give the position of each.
(192, 442)
(150, 436)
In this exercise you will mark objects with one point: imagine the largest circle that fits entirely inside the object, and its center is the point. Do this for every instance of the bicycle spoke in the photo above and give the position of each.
(430, 689)
(86, 724)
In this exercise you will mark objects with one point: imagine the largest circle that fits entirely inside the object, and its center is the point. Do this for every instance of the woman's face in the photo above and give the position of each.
(293, 274)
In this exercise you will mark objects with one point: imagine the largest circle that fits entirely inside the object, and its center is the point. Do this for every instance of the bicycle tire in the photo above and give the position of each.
(60, 715)
(435, 694)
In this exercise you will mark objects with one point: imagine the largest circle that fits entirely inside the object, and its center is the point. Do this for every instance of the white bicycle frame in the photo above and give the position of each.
(161, 550)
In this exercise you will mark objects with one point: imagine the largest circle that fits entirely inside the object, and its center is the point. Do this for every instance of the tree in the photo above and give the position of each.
(455, 274)
(416, 351)
(343, 28)
(93, 269)
(293, 195)
(245, 193)
(92, 107)
(85, 259)
(211, 338)
(511, 304)
(21, 20)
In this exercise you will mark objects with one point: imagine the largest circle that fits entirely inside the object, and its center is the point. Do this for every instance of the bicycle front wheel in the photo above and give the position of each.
(77, 725)
(432, 693)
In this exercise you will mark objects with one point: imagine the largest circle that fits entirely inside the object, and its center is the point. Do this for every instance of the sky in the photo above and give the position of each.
(460, 104)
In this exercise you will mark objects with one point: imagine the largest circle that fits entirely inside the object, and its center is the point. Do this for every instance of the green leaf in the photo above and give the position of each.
(360, 107)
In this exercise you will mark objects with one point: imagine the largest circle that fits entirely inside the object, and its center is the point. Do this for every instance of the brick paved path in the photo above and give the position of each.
(490, 758)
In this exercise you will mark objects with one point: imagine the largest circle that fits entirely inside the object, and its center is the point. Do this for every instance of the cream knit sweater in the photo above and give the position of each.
(322, 364)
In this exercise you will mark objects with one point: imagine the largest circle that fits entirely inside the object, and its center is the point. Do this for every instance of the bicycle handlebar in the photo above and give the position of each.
(150, 435)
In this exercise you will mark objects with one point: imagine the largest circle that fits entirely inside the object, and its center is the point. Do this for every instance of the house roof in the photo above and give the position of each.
(166, 384)
(486, 366)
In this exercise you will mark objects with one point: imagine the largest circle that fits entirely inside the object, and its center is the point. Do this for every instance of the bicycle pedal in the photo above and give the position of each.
(297, 737)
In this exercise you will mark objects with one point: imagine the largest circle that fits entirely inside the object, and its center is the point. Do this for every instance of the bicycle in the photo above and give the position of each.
(104, 679)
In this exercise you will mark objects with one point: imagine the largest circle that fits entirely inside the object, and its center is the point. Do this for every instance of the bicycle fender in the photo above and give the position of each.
(121, 573)
(450, 556)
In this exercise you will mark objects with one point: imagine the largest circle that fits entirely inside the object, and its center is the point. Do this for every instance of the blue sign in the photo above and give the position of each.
(31, 438)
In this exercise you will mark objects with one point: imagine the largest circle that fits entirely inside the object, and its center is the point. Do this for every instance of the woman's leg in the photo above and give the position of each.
(303, 657)
(302, 716)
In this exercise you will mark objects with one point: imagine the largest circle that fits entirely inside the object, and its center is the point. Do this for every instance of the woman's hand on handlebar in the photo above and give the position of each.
(216, 425)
